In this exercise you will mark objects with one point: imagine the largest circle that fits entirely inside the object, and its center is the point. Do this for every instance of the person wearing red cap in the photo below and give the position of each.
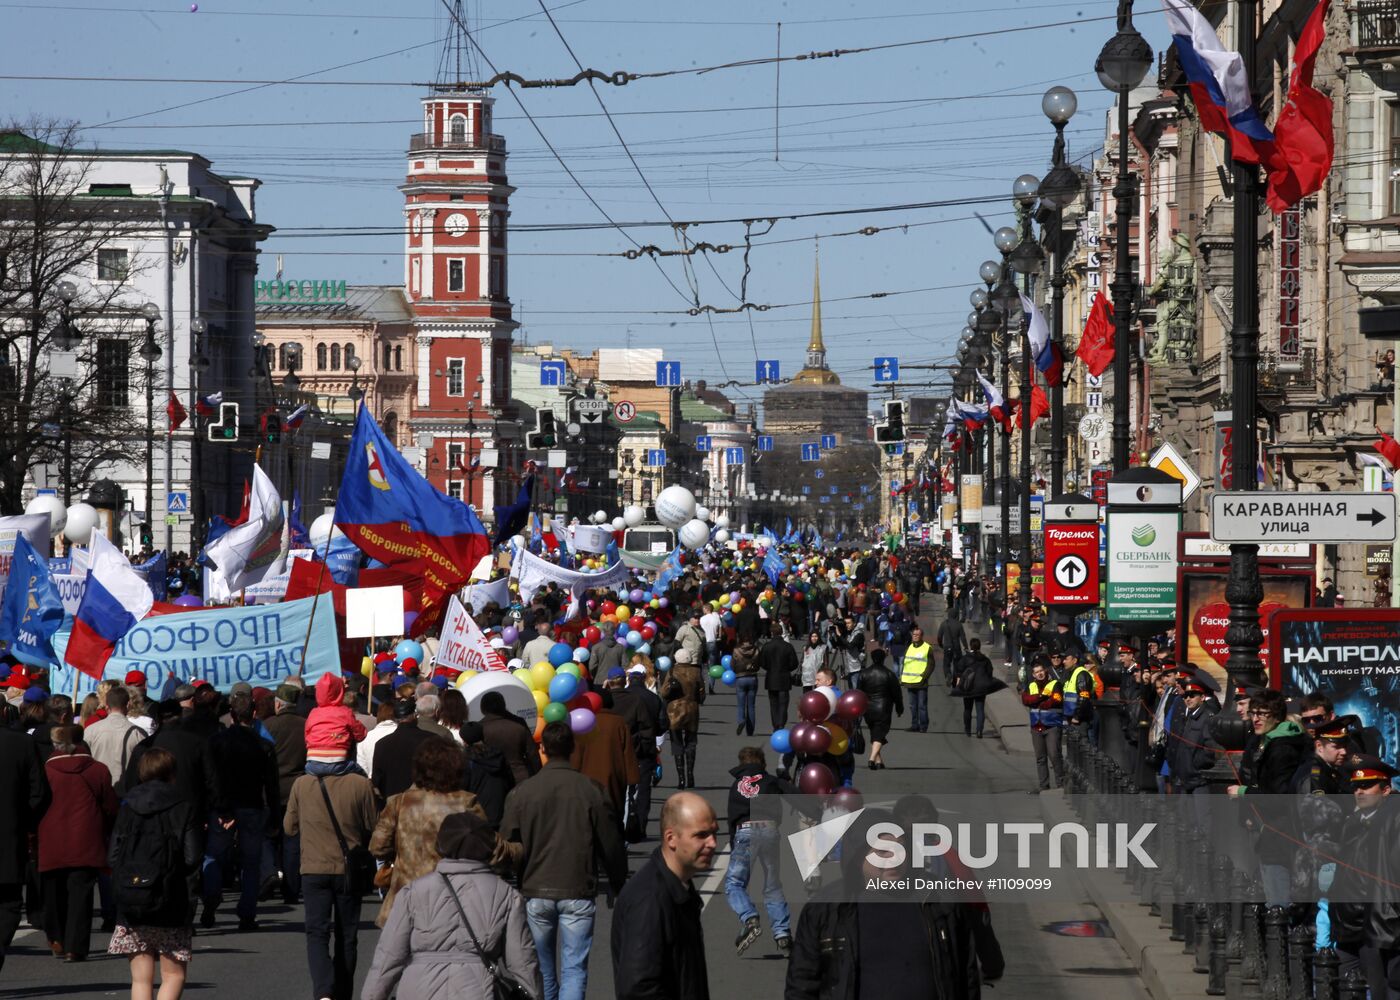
(1364, 846)
(1189, 748)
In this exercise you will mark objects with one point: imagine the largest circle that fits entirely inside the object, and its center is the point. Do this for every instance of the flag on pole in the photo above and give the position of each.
(114, 600)
(1096, 346)
(296, 417)
(1046, 354)
(175, 411)
(207, 406)
(256, 549)
(32, 611)
(996, 403)
(1039, 407)
(1389, 449)
(1303, 141)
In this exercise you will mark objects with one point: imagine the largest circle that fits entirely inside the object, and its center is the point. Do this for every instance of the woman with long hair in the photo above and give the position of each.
(452, 713)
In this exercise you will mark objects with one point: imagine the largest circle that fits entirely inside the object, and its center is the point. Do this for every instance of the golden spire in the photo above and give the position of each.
(816, 372)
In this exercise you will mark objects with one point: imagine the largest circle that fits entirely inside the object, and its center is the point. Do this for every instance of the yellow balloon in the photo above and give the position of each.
(840, 740)
(724, 599)
(541, 674)
(524, 676)
(367, 668)
(541, 699)
(623, 613)
(463, 677)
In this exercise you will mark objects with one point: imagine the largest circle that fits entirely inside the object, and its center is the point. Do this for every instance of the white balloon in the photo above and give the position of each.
(633, 515)
(831, 695)
(619, 523)
(323, 529)
(721, 520)
(702, 513)
(82, 518)
(694, 533)
(52, 506)
(517, 696)
(722, 535)
(600, 516)
(675, 506)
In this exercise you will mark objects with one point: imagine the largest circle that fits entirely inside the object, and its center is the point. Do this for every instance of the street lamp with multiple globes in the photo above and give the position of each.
(1026, 259)
(150, 352)
(1121, 66)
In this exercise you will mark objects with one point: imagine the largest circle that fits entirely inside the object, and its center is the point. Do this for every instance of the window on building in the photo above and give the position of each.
(456, 376)
(113, 372)
(335, 357)
(288, 356)
(387, 355)
(398, 358)
(391, 427)
(454, 489)
(459, 129)
(320, 357)
(349, 352)
(455, 451)
(500, 376)
(646, 490)
(457, 275)
(498, 226)
(111, 265)
(498, 278)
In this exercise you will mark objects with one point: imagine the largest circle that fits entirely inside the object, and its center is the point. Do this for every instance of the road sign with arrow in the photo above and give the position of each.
(1323, 518)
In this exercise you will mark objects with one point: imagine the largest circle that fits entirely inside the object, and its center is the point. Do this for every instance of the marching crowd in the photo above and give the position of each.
(484, 845)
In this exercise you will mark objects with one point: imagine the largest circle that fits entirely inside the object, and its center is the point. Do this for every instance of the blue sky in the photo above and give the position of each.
(930, 122)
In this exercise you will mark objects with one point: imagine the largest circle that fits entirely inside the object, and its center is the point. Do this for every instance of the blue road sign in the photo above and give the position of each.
(821, 473)
(552, 373)
(765, 442)
(668, 374)
(46, 491)
(806, 490)
(734, 456)
(828, 442)
(702, 443)
(886, 369)
(833, 491)
(177, 503)
(811, 453)
(824, 499)
(656, 457)
(765, 371)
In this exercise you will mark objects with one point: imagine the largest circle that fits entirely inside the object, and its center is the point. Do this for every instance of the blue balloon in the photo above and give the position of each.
(562, 687)
(622, 631)
(561, 653)
(729, 677)
(728, 618)
(407, 649)
(634, 639)
(644, 649)
(663, 663)
(781, 741)
(726, 661)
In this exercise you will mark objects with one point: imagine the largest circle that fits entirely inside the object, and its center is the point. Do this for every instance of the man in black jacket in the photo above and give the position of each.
(952, 640)
(755, 840)
(393, 755)
(658, 944)
(1190, 756)
(24, 793)
(1363, 841)
(645, 715)
(778, 661)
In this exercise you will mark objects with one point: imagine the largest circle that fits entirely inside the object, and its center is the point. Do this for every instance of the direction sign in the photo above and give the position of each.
(734, 456)
(668, 374)
(765, 442)
(590, 411)
(886, 369)
(1302, 517)
(811, 453)
(552, 372)
(1072, 558)
(177, 502)
(656, 457)
(765, 371)
(821, 473)
(625, 410)
(828, 442)
(703, 442)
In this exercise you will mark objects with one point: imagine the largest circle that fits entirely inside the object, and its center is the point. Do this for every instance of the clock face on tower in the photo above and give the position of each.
(456, 224)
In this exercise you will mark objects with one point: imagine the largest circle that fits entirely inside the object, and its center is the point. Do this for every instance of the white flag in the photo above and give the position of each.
(249, 552)
(1037, 330)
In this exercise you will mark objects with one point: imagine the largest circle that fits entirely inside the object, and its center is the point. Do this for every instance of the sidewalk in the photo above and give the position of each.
(1005, 713)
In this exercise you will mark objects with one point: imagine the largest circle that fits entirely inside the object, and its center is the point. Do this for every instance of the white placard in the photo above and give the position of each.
(374, 612)
(463, 645)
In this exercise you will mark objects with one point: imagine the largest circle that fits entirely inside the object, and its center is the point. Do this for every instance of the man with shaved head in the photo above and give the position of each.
(658, 945)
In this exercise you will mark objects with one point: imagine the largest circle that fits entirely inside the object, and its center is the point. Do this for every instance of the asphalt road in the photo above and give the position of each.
(1047, 956)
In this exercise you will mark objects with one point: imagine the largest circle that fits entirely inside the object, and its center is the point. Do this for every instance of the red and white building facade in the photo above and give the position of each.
(456, 205)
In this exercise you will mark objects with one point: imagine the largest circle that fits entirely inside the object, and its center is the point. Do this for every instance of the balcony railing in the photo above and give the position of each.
(425, 140)
(1378, 24)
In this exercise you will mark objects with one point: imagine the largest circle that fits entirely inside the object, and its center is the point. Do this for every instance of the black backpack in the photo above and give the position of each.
(146, 880)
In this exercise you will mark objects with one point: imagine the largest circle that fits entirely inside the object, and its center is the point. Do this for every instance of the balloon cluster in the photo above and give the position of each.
(560, 687)
(828, 719)
(405, 658)
(724, 670)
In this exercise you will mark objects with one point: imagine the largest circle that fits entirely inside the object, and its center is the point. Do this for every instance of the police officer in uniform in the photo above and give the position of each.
(1350, 894)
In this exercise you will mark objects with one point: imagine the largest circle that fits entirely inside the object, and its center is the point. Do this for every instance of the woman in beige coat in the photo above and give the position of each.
(683, 690)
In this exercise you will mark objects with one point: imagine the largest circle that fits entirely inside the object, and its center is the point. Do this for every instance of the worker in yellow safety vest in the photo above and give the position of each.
(918, 659)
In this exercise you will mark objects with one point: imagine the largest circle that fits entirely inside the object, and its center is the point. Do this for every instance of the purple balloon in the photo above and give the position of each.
(636, 596)
(509, 634)
(189, 601)
(409, 617)
(665, 602)
(852, 704)
(848, 799)
(581, 720)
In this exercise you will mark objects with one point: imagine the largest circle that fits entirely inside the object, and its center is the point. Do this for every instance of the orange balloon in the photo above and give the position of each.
(539, 727)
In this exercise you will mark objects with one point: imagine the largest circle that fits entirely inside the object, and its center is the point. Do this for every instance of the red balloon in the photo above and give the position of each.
(816, 779)
(609, 609)
(814, 707)
(796, 734)
(636, 622)
(593, 701)
(592, 634)
(583, 642)
(648, 631)
(848, 799)
(815, 741)
(852, 704)
(577, 701)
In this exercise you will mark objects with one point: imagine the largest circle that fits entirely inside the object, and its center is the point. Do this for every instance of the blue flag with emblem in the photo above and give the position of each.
(670, 569)
(32, 610)
(773, 565)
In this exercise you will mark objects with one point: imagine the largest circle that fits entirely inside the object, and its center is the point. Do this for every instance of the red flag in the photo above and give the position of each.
(1040, 405)
(1303, 141)
(1096, 346)
(1389, 449)
(175, 412)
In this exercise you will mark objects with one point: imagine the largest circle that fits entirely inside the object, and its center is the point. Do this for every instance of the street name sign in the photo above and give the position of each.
(1326, 518)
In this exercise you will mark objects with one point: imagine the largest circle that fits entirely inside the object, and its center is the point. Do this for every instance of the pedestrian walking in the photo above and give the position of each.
(645, 714)
(288, 731)
(813, 659)
(885, 699)
(394, 752)
(1045, 702)
(745, 688)
(112, 739)
(684, 693)
(952, 641)
(24, 792)
(658, 943)
(457, 929)
(975, 681)
(755, 841)
(781, 672)
(914, 668)
(508, 734)
(605, 754)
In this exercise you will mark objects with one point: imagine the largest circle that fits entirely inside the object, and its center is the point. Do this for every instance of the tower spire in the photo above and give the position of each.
(816, 372)
(458, 64)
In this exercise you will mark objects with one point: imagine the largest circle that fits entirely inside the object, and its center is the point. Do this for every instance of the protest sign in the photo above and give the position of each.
(373, 612)
(478, 595)
(532, 573)
(463, 646)
(261, 645)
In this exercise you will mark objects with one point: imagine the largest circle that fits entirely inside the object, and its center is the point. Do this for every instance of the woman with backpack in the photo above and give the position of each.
(155, 852)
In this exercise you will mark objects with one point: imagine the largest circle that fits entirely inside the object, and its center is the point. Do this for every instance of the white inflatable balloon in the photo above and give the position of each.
(722, 535)
(721, 520)
(600, 516)
(518, 697)
(52, 506)
(619, 523)
(694, 534)
(633, 515)
(323, 529)
(675, 506)
(702, 513)
(82, 518)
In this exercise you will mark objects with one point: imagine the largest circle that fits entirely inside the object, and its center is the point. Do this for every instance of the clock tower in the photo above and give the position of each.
(456, 207)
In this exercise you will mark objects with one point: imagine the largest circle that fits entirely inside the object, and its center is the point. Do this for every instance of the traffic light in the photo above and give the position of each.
(894, 419)
(147, 539)
(272, 428)
(544, 433)
(226, 427)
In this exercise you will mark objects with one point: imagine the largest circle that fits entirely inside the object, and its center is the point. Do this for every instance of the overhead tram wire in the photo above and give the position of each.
(545, 139)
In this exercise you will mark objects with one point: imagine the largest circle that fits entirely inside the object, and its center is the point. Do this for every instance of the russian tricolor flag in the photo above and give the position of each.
(996, 404)
(205, 406)
(296, 417)
(1218, 85)
(116, 598)
(1049, 359)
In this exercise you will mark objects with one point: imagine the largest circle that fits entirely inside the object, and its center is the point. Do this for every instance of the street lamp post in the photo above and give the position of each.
(1121, 66)
(1026, 259)
(1007, 301)
(1058, 189)
(150, 353)
(199, 367)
